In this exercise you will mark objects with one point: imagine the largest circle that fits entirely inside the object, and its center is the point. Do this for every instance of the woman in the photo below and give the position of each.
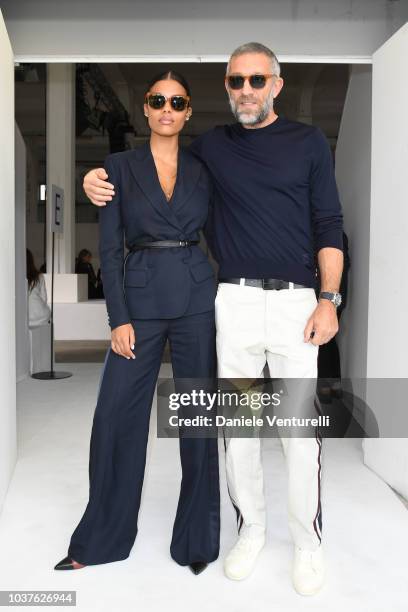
(84, 266)
(38, 310)
(163, 289)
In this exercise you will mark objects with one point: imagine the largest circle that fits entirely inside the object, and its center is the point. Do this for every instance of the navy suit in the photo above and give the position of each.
(166, 294)
(158, 283)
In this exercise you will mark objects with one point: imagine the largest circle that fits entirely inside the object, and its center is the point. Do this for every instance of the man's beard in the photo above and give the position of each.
(251, 118)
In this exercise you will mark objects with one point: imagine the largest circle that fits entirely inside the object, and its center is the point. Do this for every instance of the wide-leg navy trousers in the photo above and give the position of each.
(108, 527)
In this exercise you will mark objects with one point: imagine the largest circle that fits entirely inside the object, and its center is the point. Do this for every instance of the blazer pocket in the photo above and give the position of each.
(201, 271)
(135, 278)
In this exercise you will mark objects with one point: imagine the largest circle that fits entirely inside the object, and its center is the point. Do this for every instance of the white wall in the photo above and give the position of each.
(8, 445)
(353, 174)
(388, 278)
(388, 294)
(196, 27)
(22, 337)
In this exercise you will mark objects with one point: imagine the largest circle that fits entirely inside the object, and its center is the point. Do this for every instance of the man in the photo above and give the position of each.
(276, 203)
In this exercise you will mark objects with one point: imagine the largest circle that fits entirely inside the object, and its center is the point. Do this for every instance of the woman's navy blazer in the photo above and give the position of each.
(154, 283)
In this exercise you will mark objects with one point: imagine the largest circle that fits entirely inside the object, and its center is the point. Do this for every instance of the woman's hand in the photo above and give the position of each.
(123, 340)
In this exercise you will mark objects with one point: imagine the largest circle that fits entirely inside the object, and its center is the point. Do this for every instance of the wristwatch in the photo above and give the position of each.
(334, 298)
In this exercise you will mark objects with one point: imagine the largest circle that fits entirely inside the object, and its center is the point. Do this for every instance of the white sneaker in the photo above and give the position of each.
(241, 559)
(308, 570)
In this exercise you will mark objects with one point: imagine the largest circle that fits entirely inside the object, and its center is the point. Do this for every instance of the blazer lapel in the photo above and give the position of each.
(187, 176)
(144, 170)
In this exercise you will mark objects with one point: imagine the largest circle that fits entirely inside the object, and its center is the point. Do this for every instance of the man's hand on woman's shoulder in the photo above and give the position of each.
(97, 188)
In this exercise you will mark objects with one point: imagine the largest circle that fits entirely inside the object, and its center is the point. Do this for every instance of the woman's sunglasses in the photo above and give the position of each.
(256, 81)
(177, 103)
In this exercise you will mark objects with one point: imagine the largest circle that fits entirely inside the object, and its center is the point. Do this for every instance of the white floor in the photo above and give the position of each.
(365, 525)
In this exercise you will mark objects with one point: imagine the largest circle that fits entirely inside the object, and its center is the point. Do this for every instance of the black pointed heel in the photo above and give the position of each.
(66, 564)
(198, 566)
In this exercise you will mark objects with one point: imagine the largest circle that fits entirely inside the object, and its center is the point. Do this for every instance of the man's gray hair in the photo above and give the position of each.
(255, 47)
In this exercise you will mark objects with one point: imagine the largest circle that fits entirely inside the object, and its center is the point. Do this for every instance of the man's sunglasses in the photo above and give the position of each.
(256, 81)
(177, 103)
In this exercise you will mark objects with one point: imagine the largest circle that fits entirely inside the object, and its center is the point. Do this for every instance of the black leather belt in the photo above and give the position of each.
(263, 283)
(161, 244)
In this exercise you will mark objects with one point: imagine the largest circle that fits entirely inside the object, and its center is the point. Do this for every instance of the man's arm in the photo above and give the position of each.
(330, 263)
(100, 191)
(327, 216)
(323, 321)
(327, 223)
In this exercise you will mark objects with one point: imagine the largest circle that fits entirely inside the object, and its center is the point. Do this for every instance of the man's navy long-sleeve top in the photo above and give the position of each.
(275, 200)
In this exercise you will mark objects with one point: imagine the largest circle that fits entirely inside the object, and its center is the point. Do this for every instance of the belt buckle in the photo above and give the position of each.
(265, 284)
(277, 284)
(183, 243)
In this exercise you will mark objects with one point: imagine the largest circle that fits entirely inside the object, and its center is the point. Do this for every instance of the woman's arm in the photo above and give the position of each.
(111, 254)
(42, 288)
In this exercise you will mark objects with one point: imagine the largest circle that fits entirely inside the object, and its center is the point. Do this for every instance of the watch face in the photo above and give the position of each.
(337, 299)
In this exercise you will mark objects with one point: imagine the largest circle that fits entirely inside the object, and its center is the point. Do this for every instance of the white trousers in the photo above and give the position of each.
(255, 326)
